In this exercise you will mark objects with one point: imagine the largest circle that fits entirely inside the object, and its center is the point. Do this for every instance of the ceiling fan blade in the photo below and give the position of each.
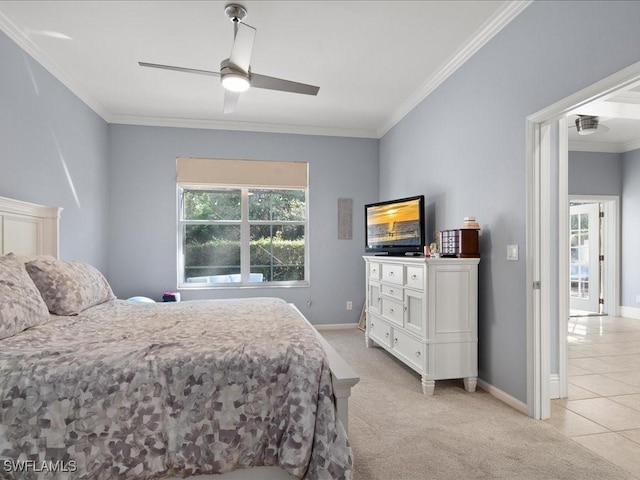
(180, 69)
(242, 46)
(273, 83)
(230, 101)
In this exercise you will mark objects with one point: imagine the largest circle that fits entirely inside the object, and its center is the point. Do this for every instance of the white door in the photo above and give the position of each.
(584, 258)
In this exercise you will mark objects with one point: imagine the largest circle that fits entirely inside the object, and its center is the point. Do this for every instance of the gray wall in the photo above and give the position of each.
(464, 148)
(142, 237)
(593, 173)
(53, 151)
(630, 253)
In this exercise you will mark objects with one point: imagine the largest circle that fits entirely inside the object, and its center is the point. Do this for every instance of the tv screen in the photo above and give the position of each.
(395, 226)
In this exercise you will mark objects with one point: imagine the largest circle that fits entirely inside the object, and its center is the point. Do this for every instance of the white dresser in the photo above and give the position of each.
(424, 311)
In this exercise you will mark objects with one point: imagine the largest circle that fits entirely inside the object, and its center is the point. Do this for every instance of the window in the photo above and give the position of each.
(235, 235)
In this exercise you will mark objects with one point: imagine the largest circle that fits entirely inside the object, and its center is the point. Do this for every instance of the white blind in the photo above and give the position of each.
(250, 173)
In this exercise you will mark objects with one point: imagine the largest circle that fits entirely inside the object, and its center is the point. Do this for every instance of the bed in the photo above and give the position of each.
(104, 388)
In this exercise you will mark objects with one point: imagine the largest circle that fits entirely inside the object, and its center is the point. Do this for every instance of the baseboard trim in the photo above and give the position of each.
(630, 312)
(503, 397)
(336, 326)
(554, 386)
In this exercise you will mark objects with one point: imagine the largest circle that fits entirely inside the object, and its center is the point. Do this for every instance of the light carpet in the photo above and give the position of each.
(398, 433)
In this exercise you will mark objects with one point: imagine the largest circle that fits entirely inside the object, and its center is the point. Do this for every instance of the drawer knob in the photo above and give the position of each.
(417, 354)
(391, 274)
(405, 309)
(371, 324)
(414, 277)
(391, 310)
(386, 334)
(395, 340)
(391, 292)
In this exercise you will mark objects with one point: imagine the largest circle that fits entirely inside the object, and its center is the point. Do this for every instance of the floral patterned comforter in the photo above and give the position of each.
(132, 390)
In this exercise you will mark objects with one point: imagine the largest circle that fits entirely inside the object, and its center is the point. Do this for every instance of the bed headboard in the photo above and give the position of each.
(27, 228)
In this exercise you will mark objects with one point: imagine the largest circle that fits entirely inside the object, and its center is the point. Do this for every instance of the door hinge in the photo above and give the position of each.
(601, 301)
(602, 258)
(536, 285)
(601, 214)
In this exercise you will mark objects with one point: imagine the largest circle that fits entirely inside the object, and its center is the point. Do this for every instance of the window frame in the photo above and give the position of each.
(245, 237)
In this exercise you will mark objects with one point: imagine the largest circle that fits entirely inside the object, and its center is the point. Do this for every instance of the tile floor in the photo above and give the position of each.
(602, 412)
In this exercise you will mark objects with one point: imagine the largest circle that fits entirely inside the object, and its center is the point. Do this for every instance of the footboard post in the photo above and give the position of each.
(343, 377)
(342, 392)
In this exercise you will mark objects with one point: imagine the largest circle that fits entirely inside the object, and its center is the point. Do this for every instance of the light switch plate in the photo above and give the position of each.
(512, 252)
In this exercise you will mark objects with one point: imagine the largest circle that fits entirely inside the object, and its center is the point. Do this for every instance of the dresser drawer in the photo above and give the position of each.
(392, 310)
(393, 273)
(379, 331)
(391, 291)
(374, 270)
(415, 277)
(410, 349)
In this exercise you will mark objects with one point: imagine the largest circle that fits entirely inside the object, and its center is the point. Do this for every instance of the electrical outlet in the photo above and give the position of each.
(349, 305)
(512, 252)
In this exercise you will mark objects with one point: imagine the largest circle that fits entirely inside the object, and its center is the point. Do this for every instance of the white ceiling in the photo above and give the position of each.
(373, 60)
(619, 113)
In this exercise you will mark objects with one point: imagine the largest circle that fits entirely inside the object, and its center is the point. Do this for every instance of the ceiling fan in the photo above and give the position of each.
(235, 72)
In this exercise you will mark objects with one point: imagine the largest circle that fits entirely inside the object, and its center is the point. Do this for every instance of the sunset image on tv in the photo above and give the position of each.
(395, 224)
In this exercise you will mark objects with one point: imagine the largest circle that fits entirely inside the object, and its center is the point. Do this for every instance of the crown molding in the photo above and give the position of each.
(632, 145)
(604, 147)
(241, 126)
(600, 147)
(490, 28)
(24, 42)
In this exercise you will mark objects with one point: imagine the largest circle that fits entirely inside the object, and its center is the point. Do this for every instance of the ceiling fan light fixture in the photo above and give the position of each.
(235, 82)
(586, 124)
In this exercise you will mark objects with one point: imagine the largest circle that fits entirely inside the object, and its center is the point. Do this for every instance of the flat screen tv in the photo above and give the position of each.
(395, 227)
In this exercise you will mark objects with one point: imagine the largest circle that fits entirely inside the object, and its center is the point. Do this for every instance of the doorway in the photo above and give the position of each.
(607, 263)
(585, 274)
(542, 273)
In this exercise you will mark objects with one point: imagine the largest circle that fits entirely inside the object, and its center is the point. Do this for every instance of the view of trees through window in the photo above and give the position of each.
(213, 228)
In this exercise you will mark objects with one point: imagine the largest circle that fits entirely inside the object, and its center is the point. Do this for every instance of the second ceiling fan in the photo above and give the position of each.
(235, 72)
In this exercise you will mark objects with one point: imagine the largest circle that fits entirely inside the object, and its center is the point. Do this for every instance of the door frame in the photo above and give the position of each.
(539, 189)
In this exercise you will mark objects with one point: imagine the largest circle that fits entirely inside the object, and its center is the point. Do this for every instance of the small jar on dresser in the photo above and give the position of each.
(424, 311)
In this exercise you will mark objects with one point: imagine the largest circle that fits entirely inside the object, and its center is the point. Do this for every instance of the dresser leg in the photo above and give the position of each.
(428, 386)
(367, 341)
(470, 384)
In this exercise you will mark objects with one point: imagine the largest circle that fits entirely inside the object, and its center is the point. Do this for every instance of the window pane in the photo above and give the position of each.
(211, 251)
(574, 222)
(277, 205)
(584, 221)
(219, 204)
(277, 252)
